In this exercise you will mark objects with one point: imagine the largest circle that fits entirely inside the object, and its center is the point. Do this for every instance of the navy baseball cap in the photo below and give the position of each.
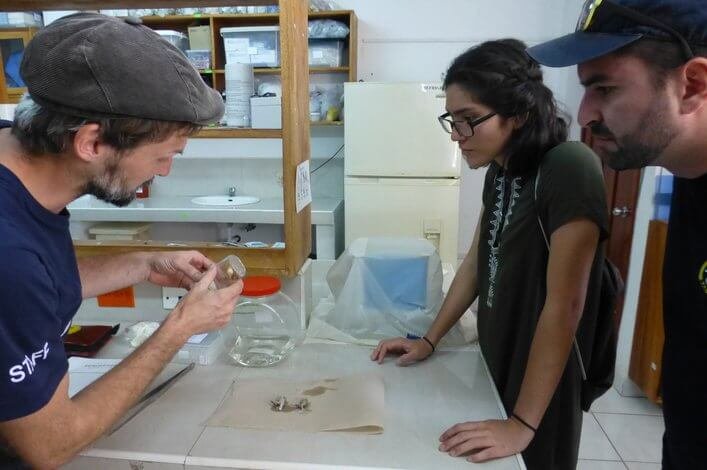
(606, 26)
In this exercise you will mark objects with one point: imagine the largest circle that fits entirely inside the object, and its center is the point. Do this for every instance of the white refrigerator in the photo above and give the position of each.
(401, 169)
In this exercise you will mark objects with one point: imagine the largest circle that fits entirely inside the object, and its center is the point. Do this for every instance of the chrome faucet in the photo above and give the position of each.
(231, 191)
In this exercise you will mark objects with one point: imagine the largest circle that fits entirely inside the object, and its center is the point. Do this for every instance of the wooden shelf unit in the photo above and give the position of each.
(294, 75)
(215, 76)
(238, 133)
(277, 70)
(258, 261)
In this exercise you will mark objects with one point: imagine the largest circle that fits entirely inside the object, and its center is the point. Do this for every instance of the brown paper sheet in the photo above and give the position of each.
(353, 404)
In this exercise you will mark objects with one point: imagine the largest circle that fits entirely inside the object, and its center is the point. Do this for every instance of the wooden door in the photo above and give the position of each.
(3, 86)
(622, 189)
(645, 368)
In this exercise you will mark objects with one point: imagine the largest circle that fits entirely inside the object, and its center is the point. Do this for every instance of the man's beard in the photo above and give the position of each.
(111, 186)
(640, 149)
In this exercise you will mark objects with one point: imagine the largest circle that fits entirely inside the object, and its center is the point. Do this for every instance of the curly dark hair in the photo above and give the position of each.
(502, 76)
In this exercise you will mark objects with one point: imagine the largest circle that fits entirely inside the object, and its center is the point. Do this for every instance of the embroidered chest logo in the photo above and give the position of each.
(702, 277)
(499, 223)
(20, 371)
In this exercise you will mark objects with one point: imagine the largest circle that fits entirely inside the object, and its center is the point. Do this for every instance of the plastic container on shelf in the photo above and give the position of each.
(266, 112)
(14, 19)
(200, 58)
(267, 324)
(239, 89)
(180, 40)
(255, 45)
(326, 52)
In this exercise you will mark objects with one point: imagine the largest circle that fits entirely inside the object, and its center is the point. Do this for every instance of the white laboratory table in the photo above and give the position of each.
(421, 401)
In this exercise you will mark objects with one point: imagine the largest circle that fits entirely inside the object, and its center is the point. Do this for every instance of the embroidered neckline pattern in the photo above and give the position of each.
(496, 231)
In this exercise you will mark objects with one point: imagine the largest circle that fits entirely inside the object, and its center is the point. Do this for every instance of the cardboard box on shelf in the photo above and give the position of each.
(200, 37)
(120, 231)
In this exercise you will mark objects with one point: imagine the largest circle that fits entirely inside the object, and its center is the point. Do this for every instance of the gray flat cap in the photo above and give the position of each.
(96, 66)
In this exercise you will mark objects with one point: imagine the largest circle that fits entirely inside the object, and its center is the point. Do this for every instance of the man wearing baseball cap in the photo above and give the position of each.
(643, 64)
(109, 105)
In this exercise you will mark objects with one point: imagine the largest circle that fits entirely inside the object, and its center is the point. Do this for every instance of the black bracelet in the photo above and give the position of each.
(522, 421)
(429, 342)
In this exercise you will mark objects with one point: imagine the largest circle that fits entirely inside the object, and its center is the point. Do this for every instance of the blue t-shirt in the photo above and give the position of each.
(40, 291)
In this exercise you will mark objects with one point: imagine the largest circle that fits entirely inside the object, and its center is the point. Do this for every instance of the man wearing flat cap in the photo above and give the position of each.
(95, 121)
(643, 64)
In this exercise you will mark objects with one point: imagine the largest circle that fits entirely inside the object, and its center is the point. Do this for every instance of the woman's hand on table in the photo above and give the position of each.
(410, 350)
(486, 440)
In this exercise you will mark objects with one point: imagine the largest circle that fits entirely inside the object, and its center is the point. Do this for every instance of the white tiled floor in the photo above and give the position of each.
(642, 466)
(594, 444)
(621, 433)
(636, 438)
(600, 465)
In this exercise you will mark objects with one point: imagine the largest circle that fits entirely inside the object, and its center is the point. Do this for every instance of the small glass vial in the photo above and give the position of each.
(267, 324)
(230, 269)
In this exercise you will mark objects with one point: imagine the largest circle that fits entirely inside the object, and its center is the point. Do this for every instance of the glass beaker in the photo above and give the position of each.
(267, 324)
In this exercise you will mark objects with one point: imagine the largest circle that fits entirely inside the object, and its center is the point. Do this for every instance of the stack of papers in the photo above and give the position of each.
(83, 371)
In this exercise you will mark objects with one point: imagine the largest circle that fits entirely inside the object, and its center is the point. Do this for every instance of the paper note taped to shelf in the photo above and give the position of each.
(303, 190)
(237, 50)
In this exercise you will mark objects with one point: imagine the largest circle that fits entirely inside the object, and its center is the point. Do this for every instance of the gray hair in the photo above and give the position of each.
(41, 131)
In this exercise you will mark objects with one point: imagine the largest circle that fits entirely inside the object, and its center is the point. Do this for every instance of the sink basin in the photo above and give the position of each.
(225, 200)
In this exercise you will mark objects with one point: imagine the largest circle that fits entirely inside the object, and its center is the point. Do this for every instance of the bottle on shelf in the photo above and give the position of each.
(143, 191)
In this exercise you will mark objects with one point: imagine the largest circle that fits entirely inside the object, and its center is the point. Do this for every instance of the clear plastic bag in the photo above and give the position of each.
(142, 12)
(383, 287)
(138, 333)
(315, 103)
(331, 100)
(323, 5)
(327, 29)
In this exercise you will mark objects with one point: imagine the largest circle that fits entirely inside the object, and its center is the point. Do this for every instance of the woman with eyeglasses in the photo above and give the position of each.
(531, 296)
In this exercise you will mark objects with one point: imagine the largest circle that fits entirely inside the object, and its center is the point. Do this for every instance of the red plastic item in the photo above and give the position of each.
(88, 339)
(259, 286)
(143, 191)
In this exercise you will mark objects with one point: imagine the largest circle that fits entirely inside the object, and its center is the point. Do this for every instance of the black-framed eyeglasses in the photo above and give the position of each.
(592, 10)
(465, 126)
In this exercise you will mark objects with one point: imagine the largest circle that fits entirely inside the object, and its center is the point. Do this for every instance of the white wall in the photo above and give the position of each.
(416, 40)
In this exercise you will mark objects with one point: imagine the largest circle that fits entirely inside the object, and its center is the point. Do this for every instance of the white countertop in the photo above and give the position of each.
(421, 401)
(181, 209)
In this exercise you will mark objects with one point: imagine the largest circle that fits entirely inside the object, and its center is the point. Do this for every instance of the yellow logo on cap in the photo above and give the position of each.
(702, 277)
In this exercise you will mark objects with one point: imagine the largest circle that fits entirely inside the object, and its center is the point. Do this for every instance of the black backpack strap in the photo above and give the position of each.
(547, 244)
